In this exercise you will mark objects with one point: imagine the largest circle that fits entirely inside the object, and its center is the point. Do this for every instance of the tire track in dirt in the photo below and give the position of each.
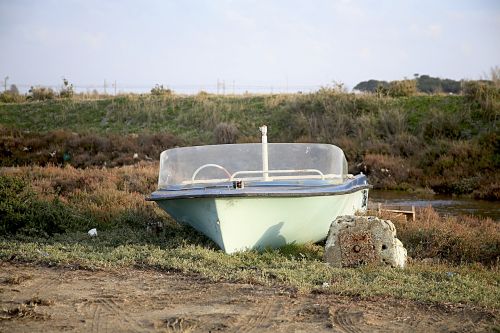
(96, 316)
(348, 320)
(264, 318)
(136, 301)
(105, 307)
(115, 309)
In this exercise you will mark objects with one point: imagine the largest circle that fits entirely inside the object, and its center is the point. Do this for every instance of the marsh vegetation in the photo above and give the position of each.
(81, 162)
(47, 211)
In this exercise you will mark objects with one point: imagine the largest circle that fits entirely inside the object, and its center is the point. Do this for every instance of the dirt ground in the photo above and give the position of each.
(42, 299)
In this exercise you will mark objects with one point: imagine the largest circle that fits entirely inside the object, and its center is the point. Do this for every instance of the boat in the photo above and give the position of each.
(259, 195)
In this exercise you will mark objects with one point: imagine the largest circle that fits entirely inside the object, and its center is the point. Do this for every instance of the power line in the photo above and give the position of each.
(219, 87)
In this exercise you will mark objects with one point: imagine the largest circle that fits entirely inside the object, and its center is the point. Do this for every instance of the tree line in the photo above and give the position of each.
(422, 83)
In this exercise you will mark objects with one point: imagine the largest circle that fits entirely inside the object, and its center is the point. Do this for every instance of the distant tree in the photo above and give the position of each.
(451, 86)
(13, 89)
(430, 85)
(67, 90)
(371, 85)
(424, 83)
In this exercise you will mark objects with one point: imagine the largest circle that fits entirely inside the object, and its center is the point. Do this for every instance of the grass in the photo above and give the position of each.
(470, 284)
(426, 141)
(464, 266)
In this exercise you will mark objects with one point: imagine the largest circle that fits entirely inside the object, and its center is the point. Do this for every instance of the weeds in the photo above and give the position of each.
(81, 150)
(35, 301)
(21, 311)
(452, 239)
(225, 133)
(427, 132)
(17, 279)
(108, 199)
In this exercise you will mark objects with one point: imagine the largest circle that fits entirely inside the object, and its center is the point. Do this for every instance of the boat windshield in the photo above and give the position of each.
(214, 164)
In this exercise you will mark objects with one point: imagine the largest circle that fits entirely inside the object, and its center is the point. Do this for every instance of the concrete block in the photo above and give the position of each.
(360, 240)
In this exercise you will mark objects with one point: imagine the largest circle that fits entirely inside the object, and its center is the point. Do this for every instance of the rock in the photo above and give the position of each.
(92, 232)
(359, 240)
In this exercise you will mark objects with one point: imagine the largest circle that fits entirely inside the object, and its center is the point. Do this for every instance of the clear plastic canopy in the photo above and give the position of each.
(244, 162)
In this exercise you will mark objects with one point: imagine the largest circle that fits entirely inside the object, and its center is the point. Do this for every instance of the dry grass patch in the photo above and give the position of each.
(453, 239)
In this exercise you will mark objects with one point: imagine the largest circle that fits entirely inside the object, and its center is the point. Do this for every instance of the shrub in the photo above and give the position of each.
(80, 150)
(225, 133)
(486, 94)
(404, 88)
(158, 90)
(22, 213)
(440, 124)
(39, 93)
(385, 172)
(11, 97)
(390, 122)
(456, 239)
(67, 89)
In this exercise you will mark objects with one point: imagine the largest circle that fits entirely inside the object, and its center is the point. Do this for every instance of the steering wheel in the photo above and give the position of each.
(207, 166)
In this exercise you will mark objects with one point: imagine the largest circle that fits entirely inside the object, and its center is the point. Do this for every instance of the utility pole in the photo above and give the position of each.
(218, 84)
(105, 85)
(233, 87)
(5, 83)
(114, 85)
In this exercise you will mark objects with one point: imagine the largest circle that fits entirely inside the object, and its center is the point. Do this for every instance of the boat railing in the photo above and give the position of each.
(264, 172)
(298, 174)
(209, 165)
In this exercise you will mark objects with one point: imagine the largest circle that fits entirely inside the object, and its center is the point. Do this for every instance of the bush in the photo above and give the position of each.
(404, 88)
(158, 90)
(10, 97)
(22, 213)
(456, 239)
(225, 133)
(440, 124)
(486, 94)
(41, 93)
(385, 172)
(80, 150)
(67, 90)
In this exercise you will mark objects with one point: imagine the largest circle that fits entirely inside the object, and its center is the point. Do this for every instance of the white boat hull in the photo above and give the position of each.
(257, 222)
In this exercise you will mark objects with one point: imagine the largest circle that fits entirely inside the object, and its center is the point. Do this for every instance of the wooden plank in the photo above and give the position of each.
(411, 212)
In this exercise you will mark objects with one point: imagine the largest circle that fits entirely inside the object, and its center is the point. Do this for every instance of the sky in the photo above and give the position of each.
(245, 44)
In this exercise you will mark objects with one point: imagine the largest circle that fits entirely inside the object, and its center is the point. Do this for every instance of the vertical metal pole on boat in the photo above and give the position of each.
(265, 157)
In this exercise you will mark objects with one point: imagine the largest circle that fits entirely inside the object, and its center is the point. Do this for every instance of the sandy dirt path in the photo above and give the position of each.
(42, 299)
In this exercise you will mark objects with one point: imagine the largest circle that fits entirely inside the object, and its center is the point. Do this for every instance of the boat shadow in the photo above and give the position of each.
(271, 236)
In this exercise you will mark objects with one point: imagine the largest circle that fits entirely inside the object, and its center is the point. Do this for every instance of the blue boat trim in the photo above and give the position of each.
(270, 189)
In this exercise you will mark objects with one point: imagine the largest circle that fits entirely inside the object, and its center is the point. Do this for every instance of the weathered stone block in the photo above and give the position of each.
(359, 240)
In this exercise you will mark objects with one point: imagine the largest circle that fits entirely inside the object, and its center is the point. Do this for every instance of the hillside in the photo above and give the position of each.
(450, 144)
